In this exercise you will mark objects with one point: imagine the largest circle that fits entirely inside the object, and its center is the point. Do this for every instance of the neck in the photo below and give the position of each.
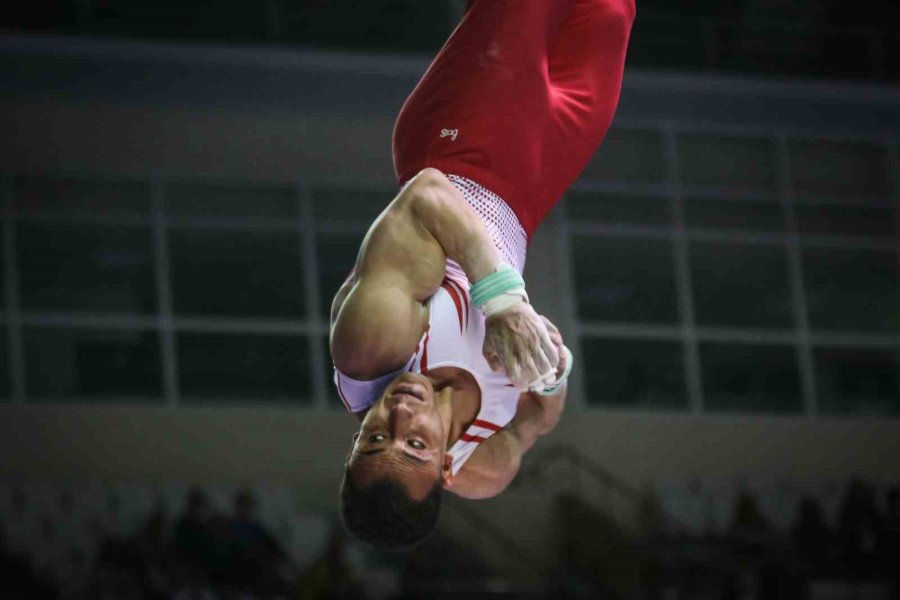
(458, 399)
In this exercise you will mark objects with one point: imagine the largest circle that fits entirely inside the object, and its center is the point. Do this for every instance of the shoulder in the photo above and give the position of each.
(491, 468)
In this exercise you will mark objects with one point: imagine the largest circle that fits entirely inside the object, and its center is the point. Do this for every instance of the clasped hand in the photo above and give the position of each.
(518, 341)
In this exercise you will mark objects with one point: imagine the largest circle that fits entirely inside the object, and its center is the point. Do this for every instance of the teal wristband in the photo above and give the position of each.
(504, 279)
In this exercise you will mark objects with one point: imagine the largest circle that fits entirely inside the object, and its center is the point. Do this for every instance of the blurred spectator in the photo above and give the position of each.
(332, 576)
(256, 560)
(751, 537)
(890, 547)
(199, 544)
(813, 541)
(153, 552)
(18, 580)
(859, 530)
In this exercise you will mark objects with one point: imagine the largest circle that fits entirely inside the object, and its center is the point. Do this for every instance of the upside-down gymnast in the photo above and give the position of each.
(437, 351)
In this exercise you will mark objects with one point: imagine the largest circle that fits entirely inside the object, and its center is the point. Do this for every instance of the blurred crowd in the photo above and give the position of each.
(821, 555)
(202, 555)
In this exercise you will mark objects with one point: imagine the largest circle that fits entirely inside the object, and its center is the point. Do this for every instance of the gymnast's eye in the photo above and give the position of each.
(375, 438)
(417, 444)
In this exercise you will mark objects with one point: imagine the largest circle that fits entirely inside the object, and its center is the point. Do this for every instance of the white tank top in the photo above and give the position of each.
(455, 333)
(453, 339)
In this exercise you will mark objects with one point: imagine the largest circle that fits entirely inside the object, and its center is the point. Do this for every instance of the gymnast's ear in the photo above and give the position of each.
(352, 445)
(447, 470)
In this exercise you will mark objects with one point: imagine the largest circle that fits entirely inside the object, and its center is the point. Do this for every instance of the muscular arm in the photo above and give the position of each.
(401, 264)
(496, 462)
(378, 315)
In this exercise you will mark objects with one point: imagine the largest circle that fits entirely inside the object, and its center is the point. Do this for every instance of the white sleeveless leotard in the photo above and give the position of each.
(455, 333)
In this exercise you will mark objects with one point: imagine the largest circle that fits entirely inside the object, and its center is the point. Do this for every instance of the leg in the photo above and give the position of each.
(481, 106)
(586, 61)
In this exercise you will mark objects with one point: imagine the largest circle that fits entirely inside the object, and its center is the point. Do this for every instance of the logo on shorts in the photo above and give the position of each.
(450, 133)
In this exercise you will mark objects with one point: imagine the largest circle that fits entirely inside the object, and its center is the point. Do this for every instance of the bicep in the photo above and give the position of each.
(491, 468)
(399, 251)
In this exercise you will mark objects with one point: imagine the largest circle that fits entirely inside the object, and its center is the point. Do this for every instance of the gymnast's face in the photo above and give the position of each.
(403, 436)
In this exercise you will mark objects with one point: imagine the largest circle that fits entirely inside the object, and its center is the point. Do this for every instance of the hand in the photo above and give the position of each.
(518, 342)
(556, 338)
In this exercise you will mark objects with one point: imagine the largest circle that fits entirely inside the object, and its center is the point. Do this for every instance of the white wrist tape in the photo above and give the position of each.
(504, 301)
(551, 385)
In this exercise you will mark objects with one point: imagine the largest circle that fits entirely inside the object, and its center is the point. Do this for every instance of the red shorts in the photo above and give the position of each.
(518, 99)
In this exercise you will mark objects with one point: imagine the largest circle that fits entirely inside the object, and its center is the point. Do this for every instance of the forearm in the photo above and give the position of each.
(444, 213)
(537, 416)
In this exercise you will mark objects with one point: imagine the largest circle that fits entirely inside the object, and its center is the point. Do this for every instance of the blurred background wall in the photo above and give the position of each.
(185, 185)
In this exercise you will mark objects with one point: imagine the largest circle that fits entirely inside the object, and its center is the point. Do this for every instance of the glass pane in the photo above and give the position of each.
(852, 289)
(835, 169)
(750, 378)
(740, 285)
(216, 200)
(629, 155)
(86, 267)
(665, 42)
(335, 255)
(334, 401)
(722, 161)
(219, 367)
(246, 273)
(2, 265)
(92, 364)
(350, 206)
(5, 367)
(624, 279)
(703, 213)
(866, 221)
(633, 373)
(34, 195)
(614, 208)
(857, 381)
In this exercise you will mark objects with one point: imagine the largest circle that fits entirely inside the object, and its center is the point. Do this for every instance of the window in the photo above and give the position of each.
(224, 367)
(728, 163)
(750, 378)
(336, 254)
(85, 267)
(236, 272)
(629, 155)
(740, 285)
(349, 206)
(5, 367)
(858, 381)
(92, 364)
(829, 169)
(852, 289)
(622, 209)
(633, 373)
(847, 220)
(95, 198)
(624, 279)
(203, 200)
(764, 216)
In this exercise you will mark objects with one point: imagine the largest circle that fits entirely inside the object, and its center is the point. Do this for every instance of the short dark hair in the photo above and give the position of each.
(382, 513)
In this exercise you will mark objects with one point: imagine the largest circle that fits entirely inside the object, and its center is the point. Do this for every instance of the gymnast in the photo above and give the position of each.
(437, 350)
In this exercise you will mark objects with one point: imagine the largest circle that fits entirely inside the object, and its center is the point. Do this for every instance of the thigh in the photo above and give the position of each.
(485, 97)
(586, 61)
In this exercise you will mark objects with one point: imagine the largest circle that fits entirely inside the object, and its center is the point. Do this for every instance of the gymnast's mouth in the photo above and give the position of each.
(409, 389)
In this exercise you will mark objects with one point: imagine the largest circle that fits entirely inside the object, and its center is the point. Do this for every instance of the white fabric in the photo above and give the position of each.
(454, 338)
(499, 219)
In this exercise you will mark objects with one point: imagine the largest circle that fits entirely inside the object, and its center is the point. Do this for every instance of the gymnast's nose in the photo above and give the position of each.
(400, 416)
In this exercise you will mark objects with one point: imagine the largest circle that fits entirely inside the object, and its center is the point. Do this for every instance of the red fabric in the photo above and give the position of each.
(486, 425)
(530, 88)
(471, 438)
